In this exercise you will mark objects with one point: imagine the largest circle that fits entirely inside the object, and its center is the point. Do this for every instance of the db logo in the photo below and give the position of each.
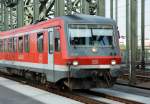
(20, 57)
(40, 58)
(94, 62)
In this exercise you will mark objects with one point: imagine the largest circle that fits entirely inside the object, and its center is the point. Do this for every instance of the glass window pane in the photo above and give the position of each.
(20, 44)
(26, 43)
(10, 43)
(40, 42)
(1, 45)
(57, 40)
(14, 44)
(5, 45)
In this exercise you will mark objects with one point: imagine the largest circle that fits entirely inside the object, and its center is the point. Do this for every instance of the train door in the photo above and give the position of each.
(51, 53)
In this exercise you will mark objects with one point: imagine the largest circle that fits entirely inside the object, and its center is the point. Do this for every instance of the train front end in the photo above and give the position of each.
(93, 54)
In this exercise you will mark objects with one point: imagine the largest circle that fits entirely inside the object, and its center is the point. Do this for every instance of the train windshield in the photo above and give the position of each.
(90, 35)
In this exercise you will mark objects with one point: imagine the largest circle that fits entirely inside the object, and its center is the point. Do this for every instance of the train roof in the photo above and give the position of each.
(82, 18)
(76, 18)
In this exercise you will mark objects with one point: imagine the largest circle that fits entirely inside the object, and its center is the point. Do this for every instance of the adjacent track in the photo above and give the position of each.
(107, 96)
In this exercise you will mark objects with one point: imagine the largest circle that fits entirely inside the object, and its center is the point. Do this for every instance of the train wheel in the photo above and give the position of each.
(43, 78)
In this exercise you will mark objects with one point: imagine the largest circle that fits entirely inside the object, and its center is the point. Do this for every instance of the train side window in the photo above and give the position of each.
(1, 45)
(26, 43)
(40, 42)
(20, 44)
(57, 40)
(10, 43)
(5, 45)
(51, 40)
(14, 44)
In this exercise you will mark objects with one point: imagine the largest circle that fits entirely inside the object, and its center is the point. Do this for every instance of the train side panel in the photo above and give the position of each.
(34, 60)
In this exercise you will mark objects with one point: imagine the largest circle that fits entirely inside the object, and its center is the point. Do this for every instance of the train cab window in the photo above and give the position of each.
(26, 43)
(1, 45)
(5, 45)
(20, 44)
(57, 40)
(40, 42)
(91, 35)
(14, 44)
(10, 45)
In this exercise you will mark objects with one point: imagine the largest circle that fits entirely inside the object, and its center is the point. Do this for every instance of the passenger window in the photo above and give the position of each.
(57, 41)
(26, 43)
(14, 44)
(10, 43)
(5, 45)
(20, 44)
(1, 45)
(40, 42)
(51, 40)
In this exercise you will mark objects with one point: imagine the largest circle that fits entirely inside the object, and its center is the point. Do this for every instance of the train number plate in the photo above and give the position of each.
(95, 62)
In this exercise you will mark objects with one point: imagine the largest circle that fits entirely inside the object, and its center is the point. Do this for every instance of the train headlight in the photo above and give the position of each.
(94, 50)
(113, 62)
(75, 63)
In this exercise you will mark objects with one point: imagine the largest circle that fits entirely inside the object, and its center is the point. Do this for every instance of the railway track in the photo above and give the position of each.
(78, 95)
(135, 86)
(120, 100)
(140, 79)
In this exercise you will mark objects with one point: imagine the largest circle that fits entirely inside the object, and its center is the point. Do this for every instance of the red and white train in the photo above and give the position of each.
(78, 51)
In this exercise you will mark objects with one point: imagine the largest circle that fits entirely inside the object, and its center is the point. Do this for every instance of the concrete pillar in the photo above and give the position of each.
(133, 41)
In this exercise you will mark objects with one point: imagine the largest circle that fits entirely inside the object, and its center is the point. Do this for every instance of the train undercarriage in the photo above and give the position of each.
(94, 79)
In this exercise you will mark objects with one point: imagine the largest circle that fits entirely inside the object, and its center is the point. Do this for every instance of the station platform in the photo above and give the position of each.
(12, 92)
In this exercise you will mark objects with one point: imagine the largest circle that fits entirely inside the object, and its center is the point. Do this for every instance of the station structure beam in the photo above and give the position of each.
(29, 11)
(133, 41)
(101, 8)
(36, 10)
(1, 16)
(111, 8)
(59, 8)
(42, 9)
(10, 17)
(6, 25)
(20, 13)
(143, 34)
(85, 7)
(116, 11)
(127, 32)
